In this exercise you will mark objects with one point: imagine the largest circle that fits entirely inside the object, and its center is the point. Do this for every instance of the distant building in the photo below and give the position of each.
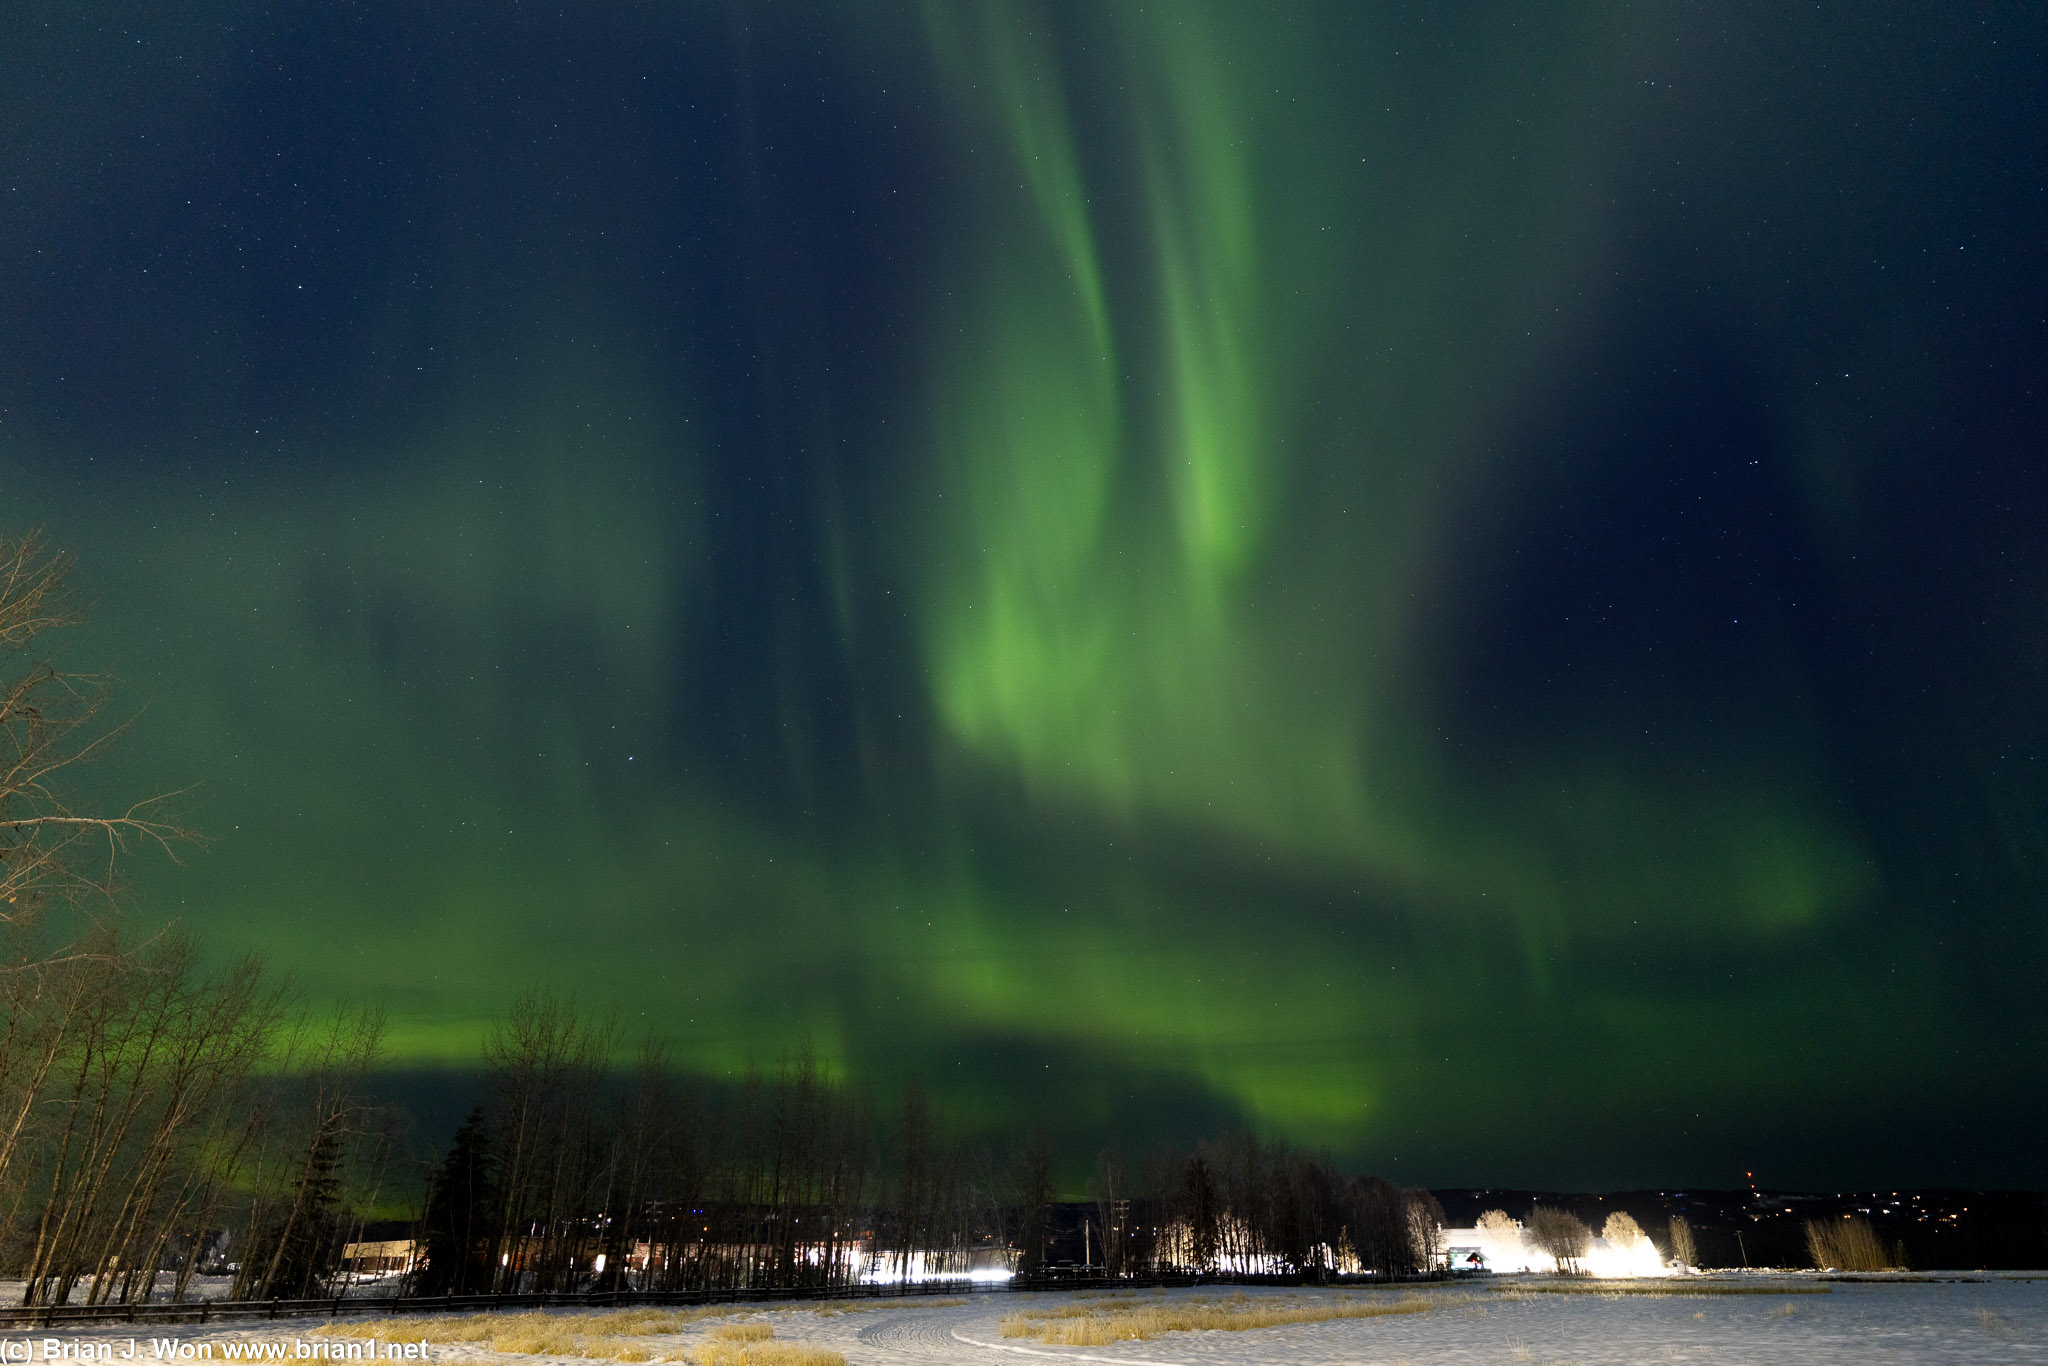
(1467, 1260)
(375, 1259)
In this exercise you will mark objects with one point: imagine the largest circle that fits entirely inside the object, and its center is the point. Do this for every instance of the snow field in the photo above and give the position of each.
(1785, 1320)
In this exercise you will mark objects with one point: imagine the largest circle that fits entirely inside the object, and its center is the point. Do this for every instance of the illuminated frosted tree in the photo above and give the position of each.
(1622, 1232)
(1496, 1224)
(1683, 1250)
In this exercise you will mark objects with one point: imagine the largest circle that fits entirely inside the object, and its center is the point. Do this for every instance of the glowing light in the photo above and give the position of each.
(982, 1266)
(1509, 1250)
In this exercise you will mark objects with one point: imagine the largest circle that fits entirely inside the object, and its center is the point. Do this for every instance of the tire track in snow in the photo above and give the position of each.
(1068, 1355)
(913, 1336)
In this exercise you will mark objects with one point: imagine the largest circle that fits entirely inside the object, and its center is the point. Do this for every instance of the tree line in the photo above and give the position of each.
(577, 1175)
(155, 1114)
(1241, 1205)
(163, 1121)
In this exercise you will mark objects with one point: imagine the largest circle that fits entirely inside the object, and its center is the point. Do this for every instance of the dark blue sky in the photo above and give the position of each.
(1461, 588)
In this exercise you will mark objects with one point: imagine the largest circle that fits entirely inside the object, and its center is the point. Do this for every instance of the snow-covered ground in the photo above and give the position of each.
(218, 1288)
(1974, 1317)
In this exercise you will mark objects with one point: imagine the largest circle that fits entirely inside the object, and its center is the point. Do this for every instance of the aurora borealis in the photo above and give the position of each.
(1465, 585)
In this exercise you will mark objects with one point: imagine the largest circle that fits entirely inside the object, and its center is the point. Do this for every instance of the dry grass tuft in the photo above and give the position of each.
(1099, 1324)
(603, 1337)
(735, 1350)
(647, 1322)
(415, 1327)
(538, 1339)
(1849, 1245)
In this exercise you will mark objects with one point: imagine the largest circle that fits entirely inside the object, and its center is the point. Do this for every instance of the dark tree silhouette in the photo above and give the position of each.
(459, 1229)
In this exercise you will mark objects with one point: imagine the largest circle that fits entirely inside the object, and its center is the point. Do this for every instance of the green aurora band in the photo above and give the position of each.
(1112, 742)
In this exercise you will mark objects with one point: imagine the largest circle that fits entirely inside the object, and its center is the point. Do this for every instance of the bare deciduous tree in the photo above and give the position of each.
(1112, 1210)
(547, 1064)
(1562, 1235)
(125, 1077)
(51, 722)
(1426, 1230)
(297, 1224)
(1377, 1220)
(1035, 1194)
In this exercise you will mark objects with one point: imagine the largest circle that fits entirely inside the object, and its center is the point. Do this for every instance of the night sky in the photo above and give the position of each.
(1463, 585)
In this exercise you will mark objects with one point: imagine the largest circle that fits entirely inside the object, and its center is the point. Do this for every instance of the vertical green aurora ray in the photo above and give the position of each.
(1091, 610)
(1027, 415)
(1064, 555)
(1223, 462)
(1113, 620)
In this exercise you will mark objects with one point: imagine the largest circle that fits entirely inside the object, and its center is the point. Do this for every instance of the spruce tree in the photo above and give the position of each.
(459, 1229)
